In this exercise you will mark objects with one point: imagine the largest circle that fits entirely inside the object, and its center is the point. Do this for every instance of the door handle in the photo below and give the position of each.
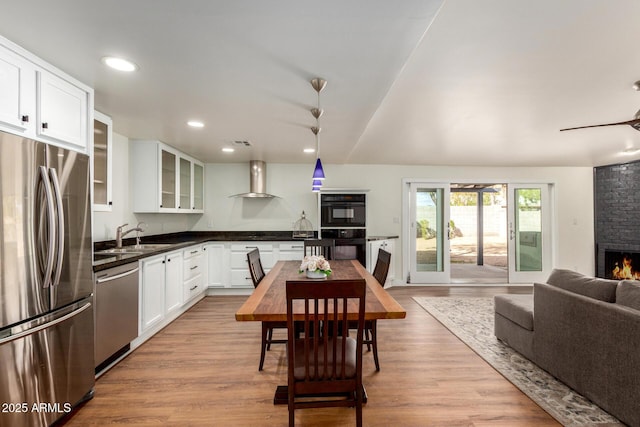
(60, 231)
(48, 269)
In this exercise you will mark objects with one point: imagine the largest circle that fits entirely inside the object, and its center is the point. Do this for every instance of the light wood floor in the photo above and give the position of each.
(202, 370)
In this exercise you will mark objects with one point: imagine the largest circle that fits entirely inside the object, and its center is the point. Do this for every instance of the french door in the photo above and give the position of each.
(529, 223)
(429, 233)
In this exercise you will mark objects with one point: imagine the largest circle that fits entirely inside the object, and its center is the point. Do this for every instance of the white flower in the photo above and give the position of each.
(314, 263)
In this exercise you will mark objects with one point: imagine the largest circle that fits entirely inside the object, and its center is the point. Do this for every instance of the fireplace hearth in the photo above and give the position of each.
(620, 265)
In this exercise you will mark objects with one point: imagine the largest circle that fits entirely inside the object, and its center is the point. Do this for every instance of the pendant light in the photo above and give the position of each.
(318, 173)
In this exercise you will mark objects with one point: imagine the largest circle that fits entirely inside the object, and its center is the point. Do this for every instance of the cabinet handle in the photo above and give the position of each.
(110, 203)
(163, 261)
(194, 287)
(194, 252)
(169, 260)
(251, 247)
(25, 119)
(45, 125)
(194, 267)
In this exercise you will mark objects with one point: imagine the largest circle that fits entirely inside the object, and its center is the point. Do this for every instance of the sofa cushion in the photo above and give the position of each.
(593, 287)
(628, 294)
(517, 308)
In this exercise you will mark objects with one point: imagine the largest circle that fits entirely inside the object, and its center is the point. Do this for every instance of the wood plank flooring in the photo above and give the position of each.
(202, 370)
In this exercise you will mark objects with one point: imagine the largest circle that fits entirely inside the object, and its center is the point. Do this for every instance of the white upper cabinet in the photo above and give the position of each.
(18, 89)
(102, 162)
(41, 102)
(62, 111)
(163, 179)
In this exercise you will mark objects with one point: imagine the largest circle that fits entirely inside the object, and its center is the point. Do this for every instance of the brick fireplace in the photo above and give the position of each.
(617, 217)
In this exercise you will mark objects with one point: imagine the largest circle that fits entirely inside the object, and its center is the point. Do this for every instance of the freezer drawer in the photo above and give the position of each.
(47, 366)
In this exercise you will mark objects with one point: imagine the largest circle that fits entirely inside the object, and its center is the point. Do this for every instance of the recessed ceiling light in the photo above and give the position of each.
(228, 150)
(119, 64)
(309, 150)
(195, 124)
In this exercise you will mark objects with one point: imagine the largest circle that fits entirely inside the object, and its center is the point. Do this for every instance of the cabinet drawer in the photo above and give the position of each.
(241, 278)
(290, 247)
(193, 266)
(192, 251)
(247, 246)
(239, 259)
(192, 287)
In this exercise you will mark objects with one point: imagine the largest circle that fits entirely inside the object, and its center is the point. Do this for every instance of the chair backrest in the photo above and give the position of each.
(382, 266)
(255, 266)
(324, 247)
(322, 360)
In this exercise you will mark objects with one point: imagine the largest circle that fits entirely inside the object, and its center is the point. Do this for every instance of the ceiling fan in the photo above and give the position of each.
(634, 123)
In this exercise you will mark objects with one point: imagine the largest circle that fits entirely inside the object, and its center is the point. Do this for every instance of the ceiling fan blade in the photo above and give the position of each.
(628, 122)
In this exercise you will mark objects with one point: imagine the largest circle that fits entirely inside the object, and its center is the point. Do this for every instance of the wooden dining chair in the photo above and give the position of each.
(324, 366)
(324, 247)
(380, 272)
(257, 274)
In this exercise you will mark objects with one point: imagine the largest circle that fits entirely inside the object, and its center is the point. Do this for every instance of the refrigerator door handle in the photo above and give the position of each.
(60, 231)
(48, 269)
(44, 325)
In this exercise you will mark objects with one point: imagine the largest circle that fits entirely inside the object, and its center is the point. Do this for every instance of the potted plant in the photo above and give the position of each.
(315, 266)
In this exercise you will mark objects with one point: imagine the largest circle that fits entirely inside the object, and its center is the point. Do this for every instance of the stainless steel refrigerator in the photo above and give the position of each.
(46, 288)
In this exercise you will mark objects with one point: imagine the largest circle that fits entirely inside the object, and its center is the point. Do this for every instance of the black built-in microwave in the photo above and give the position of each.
(343, 210)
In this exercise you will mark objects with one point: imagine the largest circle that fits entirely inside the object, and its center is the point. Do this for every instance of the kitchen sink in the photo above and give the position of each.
(148, 247)
(127, 250)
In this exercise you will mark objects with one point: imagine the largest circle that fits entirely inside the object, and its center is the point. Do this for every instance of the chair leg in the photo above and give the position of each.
(263, 344)
(269, 339)
(374, 341)
(359, 407)
(367, 339)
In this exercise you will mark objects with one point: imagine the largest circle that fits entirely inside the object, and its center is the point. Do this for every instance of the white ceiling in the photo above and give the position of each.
(425, 82)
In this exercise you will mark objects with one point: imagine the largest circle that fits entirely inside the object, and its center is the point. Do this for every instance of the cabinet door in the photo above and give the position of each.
(168, 179)
(102, 162)
(198, 187)
(17, 86)
(153, 284)
(185, 185)
(215, 265)
(173, 284)
(62, 111)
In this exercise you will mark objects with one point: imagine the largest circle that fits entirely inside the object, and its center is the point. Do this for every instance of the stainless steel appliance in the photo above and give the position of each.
(116, 312)
(343, 218)
(46, 287)
(343, 210)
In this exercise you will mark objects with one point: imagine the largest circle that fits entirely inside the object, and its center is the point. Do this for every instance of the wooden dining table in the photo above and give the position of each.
(268, 302)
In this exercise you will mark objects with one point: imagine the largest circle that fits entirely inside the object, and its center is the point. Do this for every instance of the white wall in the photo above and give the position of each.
(573, 200)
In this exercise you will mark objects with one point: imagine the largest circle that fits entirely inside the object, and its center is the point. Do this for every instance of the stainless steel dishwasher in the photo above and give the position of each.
(116, 302)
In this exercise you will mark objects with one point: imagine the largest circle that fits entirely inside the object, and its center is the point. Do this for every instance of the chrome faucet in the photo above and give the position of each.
(120, 234)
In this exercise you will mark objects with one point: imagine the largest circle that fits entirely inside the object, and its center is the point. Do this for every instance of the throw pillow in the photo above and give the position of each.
(593, 287)
(628, 294)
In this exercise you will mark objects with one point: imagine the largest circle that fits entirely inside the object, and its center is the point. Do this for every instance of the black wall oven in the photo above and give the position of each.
(343, 210)
(343, 218)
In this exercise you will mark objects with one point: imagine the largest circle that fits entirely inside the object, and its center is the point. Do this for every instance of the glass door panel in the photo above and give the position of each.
(529, 233)
(430, 238)
(185, 184)
(198, 187)
(168, 188)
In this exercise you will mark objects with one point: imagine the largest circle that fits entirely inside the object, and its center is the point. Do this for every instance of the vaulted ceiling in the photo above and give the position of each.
(424, 82)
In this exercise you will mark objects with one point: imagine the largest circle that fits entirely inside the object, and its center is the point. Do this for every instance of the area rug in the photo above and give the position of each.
(471, 320)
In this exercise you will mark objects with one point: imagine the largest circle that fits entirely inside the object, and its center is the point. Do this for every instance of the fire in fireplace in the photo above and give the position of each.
(622, 265)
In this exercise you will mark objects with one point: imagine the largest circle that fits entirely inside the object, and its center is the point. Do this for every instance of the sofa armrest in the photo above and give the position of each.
(590, 345)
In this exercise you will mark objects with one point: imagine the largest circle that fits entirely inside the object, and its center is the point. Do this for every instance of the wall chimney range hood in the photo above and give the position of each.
(257, 181)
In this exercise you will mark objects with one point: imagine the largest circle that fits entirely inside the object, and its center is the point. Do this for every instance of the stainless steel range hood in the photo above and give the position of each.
(257, 181)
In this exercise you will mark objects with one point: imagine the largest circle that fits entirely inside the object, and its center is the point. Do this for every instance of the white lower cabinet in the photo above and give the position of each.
(194, 273)
(216, 262)
(290, 251)
(161, 285)
(372, 255)
(240, 276)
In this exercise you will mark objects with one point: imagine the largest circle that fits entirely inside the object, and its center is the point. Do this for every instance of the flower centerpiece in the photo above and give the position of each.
(315, 266)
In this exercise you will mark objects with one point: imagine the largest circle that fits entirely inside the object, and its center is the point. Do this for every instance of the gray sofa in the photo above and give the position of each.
(585, 332)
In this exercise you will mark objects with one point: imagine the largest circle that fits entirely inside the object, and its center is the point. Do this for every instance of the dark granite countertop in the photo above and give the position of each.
(178, 241)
